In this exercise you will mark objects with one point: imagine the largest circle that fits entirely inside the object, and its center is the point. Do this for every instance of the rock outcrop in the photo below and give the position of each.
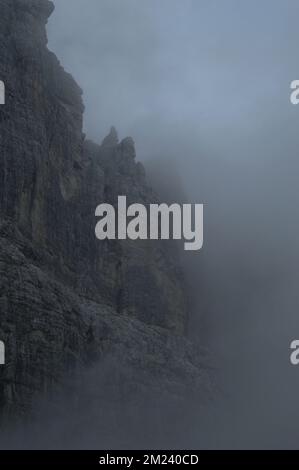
(66, 299)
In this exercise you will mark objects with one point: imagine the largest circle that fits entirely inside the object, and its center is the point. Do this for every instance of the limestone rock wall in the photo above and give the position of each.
(63, 293)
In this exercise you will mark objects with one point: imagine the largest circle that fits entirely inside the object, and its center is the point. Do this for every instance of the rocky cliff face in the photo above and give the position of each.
(67, 299)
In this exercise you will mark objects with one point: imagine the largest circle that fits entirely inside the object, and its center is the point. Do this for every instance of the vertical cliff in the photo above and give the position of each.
(67, 299)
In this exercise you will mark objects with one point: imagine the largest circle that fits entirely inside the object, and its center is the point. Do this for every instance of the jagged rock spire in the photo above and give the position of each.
(128, 147)
(111, 139)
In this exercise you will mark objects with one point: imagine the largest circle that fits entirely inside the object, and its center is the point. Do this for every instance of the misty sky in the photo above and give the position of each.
(178, 74)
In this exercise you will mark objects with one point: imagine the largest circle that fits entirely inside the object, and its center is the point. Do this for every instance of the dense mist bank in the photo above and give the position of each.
(243, 284)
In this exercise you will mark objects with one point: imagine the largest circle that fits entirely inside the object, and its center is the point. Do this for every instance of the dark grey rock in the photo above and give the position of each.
(66, 299)
(111, 139)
